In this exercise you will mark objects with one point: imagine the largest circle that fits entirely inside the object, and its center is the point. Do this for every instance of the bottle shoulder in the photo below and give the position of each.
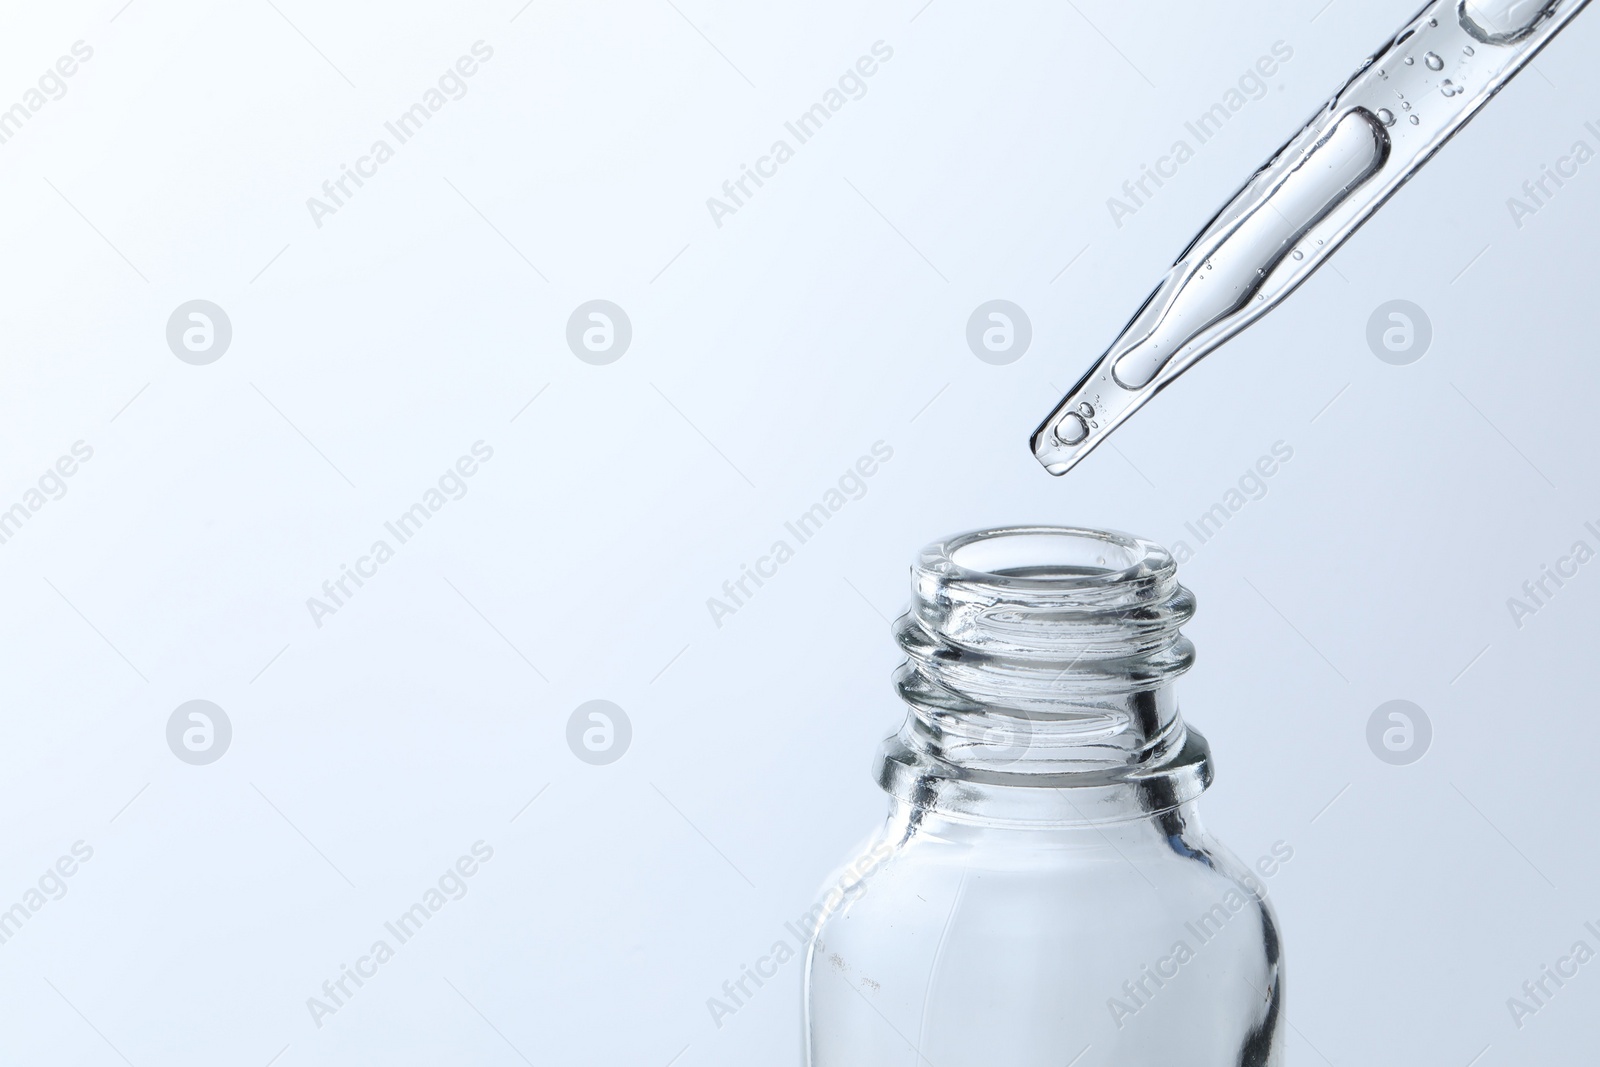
(1164, 864)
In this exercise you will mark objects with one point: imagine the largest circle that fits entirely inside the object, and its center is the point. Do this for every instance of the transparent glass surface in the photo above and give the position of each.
(1042, 892)
(1398, 109)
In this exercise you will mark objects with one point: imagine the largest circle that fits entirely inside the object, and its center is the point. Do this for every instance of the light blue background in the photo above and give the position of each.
(768, 355)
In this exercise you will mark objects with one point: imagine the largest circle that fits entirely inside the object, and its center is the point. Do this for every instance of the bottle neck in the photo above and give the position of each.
(1038, 677)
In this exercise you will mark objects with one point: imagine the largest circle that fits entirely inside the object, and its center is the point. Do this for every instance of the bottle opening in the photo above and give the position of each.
(1044, 553)
(1068, 635)
(1051, 594)
(1043, 655)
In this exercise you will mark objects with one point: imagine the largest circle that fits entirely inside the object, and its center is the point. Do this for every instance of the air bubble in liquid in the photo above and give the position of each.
(1469, 51)
(1299, 254)
(1072, 429)
(1415, 120)
(1409, 61)
(1386, 116)
(1503, 21)
(1433, 61)
(1449, 88)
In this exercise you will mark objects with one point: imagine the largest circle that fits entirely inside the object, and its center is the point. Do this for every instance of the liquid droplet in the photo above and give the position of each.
(1405, 105)
(1433, 22)
(1086, 409)
(1469, 50)
(1433, 61)
(1299, 254)
(1449, 88)
(1386, 116)
(1409, 61)
(1415, 120)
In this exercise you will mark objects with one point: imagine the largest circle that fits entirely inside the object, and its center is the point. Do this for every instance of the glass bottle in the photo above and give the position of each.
(1042, 893)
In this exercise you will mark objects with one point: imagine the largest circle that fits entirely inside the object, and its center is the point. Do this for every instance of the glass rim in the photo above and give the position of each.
(1140, 558)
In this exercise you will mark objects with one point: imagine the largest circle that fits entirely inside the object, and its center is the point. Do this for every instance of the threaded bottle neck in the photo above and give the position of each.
(1044, 656)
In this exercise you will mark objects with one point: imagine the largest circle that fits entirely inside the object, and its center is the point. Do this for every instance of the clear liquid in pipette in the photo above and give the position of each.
(1305, 201)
